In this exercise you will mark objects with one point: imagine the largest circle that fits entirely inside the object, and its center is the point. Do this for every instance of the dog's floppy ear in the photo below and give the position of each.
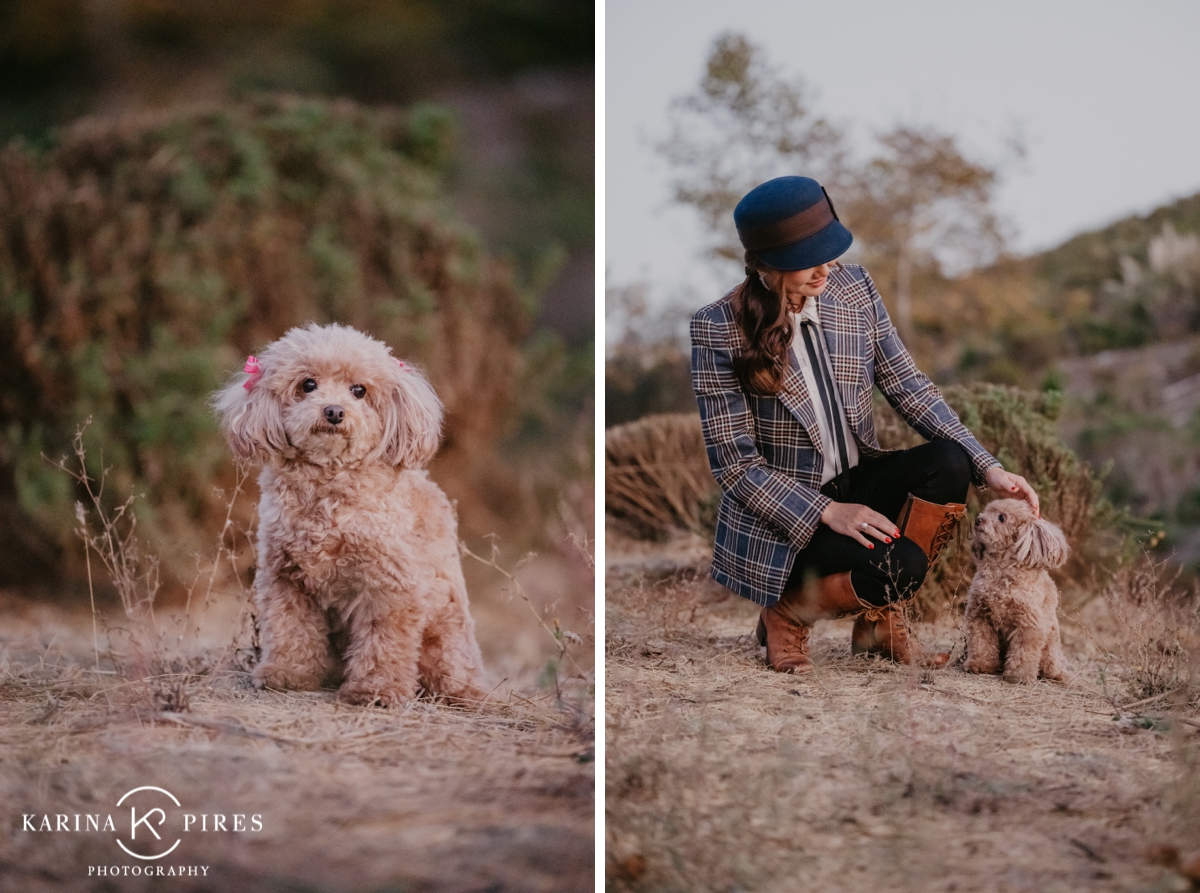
(412, 417)
(1041, 545)
(250, 418)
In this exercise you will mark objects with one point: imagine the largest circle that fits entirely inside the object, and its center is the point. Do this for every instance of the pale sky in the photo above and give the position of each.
(1107, 95)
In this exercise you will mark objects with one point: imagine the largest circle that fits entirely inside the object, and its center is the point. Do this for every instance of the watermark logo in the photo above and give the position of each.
(151, 815)
(148, 824)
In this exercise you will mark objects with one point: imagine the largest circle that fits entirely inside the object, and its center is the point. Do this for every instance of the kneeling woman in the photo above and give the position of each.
(815, 520)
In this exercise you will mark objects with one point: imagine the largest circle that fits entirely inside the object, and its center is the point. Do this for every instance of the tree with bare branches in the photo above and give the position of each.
(919, 202)
(922, 202)
(744, 124)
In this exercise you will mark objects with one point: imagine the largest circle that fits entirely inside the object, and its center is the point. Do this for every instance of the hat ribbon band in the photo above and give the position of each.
(792, 229)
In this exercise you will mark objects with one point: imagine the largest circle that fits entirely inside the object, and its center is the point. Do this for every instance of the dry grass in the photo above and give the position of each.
(495, 795)
(868, 776)
(498, 796)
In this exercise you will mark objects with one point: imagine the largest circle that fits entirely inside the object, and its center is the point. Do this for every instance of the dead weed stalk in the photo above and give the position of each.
(133, 572)
(565, 641)
(1159, 633)
(164, 667)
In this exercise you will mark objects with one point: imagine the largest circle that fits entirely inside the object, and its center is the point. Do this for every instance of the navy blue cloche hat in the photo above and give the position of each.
(789, 224)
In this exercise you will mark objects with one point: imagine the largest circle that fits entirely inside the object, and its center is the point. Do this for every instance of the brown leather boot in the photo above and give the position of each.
(883, 631)
(784, 627)
(786, 639)
(930, 525)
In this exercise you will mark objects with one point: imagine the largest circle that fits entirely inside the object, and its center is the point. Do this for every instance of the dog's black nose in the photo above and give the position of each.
(334, 414)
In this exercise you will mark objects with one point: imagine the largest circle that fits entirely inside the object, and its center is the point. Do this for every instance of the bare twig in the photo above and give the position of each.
(952, 693)
(1126, 707)
(223, 552)
(1086, 850)
(563, 638)
(585, 548)
(133, 572)
(235, 728)
(111, 533)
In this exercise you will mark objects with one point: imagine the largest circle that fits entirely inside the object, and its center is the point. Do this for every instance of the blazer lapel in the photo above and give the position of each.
(796, 398)
(846, 342)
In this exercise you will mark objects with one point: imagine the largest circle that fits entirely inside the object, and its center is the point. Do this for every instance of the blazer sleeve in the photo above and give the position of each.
(729, 436)
(914, 396)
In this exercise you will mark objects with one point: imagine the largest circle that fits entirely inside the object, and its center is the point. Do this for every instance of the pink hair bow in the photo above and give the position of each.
(255, 371)
(398, 363)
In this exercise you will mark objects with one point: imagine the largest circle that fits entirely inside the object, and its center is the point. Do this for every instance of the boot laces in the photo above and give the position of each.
(945, 532)
(874, 614)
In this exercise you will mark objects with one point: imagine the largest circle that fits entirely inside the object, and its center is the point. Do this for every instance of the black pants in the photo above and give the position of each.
(938, 471)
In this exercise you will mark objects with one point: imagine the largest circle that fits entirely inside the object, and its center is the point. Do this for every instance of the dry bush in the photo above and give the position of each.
(1155, 649)
(143, 257)
(656, 475)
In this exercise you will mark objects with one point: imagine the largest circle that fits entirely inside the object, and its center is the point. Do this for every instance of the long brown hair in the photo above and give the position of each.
(761, 314)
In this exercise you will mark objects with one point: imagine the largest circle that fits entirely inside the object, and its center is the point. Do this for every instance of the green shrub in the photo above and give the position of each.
(657, 478)
(142, 258)
(1017, 427)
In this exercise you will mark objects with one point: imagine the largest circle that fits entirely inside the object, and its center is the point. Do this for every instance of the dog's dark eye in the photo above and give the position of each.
(1000, 517)
(309, 385)
(358, 391)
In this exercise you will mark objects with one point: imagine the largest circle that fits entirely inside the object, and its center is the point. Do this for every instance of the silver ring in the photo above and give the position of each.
(865, 525)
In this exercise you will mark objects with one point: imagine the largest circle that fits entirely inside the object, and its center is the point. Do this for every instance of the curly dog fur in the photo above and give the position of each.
(359, 580)
(1012, 606)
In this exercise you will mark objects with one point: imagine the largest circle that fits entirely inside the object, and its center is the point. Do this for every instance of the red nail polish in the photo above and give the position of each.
(887, 539)
(895, 533)
(1014, 488)
(870, 545)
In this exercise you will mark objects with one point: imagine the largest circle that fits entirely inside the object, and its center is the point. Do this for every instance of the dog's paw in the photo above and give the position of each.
(1019, 678)
(366, 694)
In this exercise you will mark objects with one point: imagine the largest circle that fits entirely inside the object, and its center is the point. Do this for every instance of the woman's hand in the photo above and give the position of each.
(858, 521)
(1014, 486)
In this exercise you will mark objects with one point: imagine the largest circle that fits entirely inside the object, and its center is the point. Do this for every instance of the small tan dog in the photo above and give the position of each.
(1011, 619)
(359, 580)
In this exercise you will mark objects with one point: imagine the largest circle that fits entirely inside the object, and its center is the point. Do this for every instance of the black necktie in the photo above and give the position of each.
(820, 368)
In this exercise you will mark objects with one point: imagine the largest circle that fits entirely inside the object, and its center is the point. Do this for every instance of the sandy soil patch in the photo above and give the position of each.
(864, 775)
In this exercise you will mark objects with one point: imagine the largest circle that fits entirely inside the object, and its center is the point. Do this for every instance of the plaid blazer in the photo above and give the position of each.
(765, 451)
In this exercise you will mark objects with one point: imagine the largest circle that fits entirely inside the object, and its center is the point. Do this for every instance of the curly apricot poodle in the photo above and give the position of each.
(359, 579)
(1011, 619)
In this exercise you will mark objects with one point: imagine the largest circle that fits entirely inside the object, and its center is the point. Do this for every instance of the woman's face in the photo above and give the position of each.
(798, 285)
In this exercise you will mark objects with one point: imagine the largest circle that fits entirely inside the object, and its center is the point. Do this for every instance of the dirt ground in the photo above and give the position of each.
(495, 797)
(864, 775)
